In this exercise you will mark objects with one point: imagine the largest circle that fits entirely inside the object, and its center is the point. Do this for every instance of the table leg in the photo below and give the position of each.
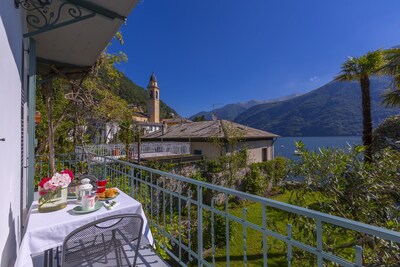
(50, 257)
(46, 258)
(58, 257)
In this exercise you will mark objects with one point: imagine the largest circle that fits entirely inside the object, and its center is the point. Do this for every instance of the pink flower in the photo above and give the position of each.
(43, 181)
(70, 173)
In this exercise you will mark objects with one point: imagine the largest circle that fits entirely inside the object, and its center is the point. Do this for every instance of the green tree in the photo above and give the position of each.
(387, 134)
(199, 118)
(79, 98)
(125, 135)
(360, 69)
(233, 151)
(337, 182)
(392, 67)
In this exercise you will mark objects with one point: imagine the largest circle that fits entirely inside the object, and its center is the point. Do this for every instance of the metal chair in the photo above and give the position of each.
(100, 241)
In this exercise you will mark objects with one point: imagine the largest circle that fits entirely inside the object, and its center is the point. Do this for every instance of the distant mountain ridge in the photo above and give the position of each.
(333, 109)
(231, 111)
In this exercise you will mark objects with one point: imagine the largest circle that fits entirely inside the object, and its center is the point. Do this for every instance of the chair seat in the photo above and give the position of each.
(103, 241)
(146, 258)
(115, 258)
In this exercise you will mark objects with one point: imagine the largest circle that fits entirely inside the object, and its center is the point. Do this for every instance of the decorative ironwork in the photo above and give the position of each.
(40, 16)
(40, 2)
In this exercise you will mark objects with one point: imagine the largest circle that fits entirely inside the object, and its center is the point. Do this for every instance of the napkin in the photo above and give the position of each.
(110, 204)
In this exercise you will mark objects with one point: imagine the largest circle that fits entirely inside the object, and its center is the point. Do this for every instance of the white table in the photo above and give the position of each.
(47, 230)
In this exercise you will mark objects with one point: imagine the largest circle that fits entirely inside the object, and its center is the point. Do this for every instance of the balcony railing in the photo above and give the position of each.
(146, 149)
(192, 222)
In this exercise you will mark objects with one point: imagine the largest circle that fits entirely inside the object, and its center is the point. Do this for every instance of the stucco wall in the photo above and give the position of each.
(254, 148)
(209, 150)
(11, 73)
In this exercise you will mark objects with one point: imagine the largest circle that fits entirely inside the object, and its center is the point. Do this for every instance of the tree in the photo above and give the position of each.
(125, 135)
(199, 118)
(337, 182)
(233, 152)
(360, 69)
(392, 67)
(87, 94)
(387, 134)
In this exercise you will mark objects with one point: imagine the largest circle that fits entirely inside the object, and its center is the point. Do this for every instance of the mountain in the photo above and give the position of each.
(333, 109)
(137, 95)
(231, 111)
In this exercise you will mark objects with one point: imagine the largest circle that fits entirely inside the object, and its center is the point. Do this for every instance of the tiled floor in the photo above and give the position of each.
(146, 258)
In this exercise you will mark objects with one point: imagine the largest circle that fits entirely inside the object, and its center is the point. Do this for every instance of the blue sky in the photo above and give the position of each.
(219, 52)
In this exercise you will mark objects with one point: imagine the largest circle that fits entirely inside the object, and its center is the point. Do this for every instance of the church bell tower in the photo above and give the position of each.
(153, 101)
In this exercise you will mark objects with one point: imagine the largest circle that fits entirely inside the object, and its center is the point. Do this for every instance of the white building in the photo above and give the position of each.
(211, 139)
(50, 46)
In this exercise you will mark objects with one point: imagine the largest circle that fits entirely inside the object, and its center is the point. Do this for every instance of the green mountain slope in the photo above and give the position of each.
(333, 109)
(137, 95)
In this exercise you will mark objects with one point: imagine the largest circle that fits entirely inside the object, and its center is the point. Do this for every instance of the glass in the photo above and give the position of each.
(101, 186)
(52, 200)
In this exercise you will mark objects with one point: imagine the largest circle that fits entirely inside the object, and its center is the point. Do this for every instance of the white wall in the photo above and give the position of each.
(11, 73)
(211, 151)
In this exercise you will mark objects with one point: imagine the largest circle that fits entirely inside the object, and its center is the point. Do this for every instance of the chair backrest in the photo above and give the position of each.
(98, 238)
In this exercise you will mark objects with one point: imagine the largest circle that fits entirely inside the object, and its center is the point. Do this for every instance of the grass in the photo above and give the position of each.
(277, 250)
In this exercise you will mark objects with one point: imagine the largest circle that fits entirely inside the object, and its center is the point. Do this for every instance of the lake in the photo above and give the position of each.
(285, 146)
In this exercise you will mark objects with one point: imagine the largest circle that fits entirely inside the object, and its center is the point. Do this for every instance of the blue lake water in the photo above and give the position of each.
(285, 146)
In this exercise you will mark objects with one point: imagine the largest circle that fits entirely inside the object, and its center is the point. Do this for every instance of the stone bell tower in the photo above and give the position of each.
(153, 101)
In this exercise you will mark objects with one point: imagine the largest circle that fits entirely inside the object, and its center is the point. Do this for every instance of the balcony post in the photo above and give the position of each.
(31, 121)
(200, 225)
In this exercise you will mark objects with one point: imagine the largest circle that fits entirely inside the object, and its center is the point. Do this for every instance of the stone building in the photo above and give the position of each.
(210, 139)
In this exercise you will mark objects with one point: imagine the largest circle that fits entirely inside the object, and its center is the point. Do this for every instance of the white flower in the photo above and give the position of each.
(59, 179)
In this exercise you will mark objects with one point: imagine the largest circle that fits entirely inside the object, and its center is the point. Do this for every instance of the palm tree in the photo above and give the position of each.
(360, 69)
(392, 68)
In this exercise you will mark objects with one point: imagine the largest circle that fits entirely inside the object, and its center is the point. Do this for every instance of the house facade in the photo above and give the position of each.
(212, 139)
(51, 38)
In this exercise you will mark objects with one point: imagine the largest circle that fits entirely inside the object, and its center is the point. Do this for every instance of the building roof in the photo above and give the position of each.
(153, 77)
(204, 130)
(176, 120)
(140, 114)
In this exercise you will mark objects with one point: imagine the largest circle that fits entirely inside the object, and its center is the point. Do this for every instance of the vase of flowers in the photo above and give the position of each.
(53, 192)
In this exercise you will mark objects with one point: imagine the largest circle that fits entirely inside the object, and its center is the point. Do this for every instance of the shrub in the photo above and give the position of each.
(255, 182)
(219, 230)
(386, 133)
(338, 182)
(266, 174)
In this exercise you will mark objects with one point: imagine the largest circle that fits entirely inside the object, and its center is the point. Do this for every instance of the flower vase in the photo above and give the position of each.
(52, 200)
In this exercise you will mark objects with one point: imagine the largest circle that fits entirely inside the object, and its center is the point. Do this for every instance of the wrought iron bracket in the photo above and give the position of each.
(42, 3)
(46, 15)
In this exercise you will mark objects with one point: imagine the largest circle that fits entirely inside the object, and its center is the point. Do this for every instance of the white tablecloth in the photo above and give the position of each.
(48, 230)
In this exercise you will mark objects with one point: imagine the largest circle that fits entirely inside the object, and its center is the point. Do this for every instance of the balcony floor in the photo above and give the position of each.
(146, 258)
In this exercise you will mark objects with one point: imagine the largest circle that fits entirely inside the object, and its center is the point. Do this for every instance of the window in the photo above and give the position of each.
(197, 152)
(151, 93)
(156, 94)
(264, 153)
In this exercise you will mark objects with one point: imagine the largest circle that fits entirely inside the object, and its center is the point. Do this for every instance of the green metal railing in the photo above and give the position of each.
(183, 212)
(166, 148)
(62, 162)
(192, 222)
